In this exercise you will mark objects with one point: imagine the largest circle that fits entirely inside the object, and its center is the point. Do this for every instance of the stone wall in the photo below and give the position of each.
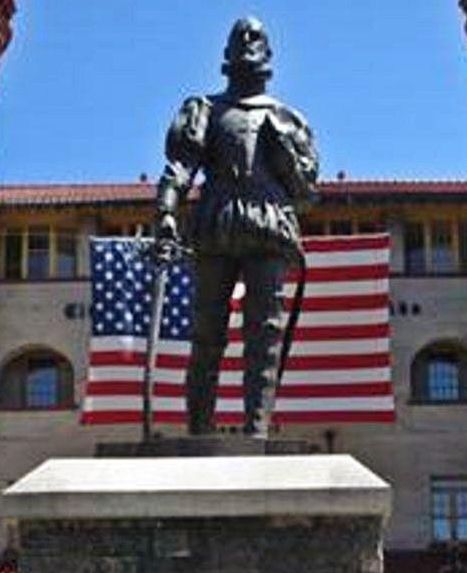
(235, 545)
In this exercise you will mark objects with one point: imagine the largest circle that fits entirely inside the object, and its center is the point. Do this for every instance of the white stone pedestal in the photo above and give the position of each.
(280, 514)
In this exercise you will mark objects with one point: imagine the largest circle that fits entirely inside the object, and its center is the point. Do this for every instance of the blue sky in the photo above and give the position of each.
(88, 88)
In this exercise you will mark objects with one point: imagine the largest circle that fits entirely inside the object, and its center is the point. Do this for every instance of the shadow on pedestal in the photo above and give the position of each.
(205, 446)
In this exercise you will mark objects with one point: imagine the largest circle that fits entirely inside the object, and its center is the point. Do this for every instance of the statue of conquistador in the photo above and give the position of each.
(258, 160)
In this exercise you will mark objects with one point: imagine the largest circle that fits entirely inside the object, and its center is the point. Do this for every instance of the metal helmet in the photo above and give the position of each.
(248, 50)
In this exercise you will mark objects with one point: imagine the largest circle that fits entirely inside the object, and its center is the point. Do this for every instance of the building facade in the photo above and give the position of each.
(44, 313)
(7, 9)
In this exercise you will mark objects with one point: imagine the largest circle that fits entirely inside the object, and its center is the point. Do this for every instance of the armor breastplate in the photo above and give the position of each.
(236, 160)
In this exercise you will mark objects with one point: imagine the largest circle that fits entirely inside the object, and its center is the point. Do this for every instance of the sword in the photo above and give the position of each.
(164, 253)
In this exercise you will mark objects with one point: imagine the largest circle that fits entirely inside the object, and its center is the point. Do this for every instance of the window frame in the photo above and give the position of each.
(428, 227)
(53, 233)
(445, 351)
(45, 232)
(436, 387)
(58, 233)
(451, 485)
(410, 268)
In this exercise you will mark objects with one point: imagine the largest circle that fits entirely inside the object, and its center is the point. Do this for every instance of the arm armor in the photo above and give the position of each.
(294, 159)
(184, 148)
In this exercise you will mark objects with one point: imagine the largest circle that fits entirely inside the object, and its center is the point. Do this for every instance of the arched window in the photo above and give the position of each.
(36, 379)
(439, 374)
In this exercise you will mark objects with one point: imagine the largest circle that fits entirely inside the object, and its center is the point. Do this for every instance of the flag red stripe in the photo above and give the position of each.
(171, 418)
(167, 390)
(331, 417)
(221, 418)
(117, 358)
(233, 418)
(114, 388)
(331, 362)
(385, 416)
(335, 390)
(321, 333)
(346, 244)
(112, 417)
(338, 362)
(346, 273)
(337, 303)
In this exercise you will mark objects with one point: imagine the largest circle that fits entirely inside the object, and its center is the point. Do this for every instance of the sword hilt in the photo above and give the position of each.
(168, 251)
(163, 251)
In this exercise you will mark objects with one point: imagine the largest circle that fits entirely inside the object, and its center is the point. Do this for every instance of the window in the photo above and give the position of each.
(66, 259)
(439, 374)
(435, 246)
(41, 383)
(39, 379)
(107, 230)
(443, 378)
(340, 227)
(314, 228)
(462, 233)
(367, 227)
(414, 244)
(38, 253)
(449, 509)
(13, 253)
(442, 253)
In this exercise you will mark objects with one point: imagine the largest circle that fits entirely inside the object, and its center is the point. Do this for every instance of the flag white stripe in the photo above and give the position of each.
(299, 348)
(113, 403)
(378, 403)
(330, 318)
(162, 404)
(291, 377)
(115, 373)
(351, 376)
(383, 403)
(357, 258)
(343, 318)
(118, 344)
(338, 288)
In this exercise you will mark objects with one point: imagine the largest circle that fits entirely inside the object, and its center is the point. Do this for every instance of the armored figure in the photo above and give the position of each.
(258, 161)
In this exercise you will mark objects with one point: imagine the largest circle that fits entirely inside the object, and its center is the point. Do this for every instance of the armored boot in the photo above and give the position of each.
(258, 410)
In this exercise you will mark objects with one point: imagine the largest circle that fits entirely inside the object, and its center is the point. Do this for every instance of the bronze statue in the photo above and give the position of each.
(463, 5)
(258, 160)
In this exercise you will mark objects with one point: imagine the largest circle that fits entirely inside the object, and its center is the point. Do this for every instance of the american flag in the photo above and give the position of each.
(338, 369)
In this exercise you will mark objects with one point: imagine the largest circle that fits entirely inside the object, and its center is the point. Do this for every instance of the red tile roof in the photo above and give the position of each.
(395, 187)
(80, 194)
(126, 193)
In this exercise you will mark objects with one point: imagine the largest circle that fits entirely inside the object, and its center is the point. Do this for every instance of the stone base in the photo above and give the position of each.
(193, 446)
(236, 545)
(229, 514)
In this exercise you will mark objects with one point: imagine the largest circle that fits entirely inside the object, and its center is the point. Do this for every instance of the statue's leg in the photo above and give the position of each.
(263, 322)
(215, 280)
